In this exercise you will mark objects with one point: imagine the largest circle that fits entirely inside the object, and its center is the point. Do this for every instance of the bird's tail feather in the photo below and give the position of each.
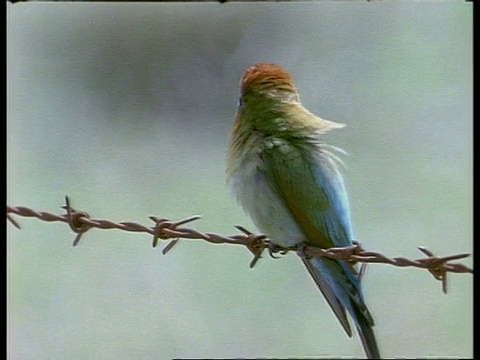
(341, 288)
(369, 342)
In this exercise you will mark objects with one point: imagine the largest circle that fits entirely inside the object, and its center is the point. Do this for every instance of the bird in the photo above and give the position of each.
(288, 180)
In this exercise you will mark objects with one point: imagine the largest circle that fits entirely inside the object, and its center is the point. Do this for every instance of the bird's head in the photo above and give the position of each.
(270, 105)
(267, 83)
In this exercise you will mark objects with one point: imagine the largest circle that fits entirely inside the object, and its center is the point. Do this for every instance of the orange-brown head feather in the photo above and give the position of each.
(264, 76)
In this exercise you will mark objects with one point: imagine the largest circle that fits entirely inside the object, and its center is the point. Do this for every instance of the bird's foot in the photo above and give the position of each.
(273, 249)
(301, 251)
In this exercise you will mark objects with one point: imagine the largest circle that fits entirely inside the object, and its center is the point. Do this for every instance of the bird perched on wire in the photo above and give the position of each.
(287, 179)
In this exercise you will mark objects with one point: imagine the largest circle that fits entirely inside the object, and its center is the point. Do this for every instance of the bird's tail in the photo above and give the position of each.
(365, 331)
(342, 289)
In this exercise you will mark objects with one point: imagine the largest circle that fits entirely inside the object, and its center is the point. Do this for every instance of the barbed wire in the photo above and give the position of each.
(163, 229)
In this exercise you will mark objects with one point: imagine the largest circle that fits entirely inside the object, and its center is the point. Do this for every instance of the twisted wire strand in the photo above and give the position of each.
(163, 229)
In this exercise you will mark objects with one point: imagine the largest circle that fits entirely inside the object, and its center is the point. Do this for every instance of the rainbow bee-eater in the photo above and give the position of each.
(288, 180)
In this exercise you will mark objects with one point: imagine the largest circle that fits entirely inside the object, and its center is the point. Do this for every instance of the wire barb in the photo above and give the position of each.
(75, 221)
(13, 221)
(80, 222)
(255, 243)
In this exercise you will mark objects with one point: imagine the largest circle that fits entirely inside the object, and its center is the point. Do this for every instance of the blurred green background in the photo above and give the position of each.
(126, 108)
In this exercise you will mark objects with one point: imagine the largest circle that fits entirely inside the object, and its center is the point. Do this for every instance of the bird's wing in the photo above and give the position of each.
(312, 187)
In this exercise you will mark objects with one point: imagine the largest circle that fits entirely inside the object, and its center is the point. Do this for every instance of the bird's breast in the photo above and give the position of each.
(261, 200)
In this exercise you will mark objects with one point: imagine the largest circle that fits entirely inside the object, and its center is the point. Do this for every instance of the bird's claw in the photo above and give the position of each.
(273, 249)
(301, 251)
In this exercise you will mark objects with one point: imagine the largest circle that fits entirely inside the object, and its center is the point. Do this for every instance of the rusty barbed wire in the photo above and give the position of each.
(163, 229)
